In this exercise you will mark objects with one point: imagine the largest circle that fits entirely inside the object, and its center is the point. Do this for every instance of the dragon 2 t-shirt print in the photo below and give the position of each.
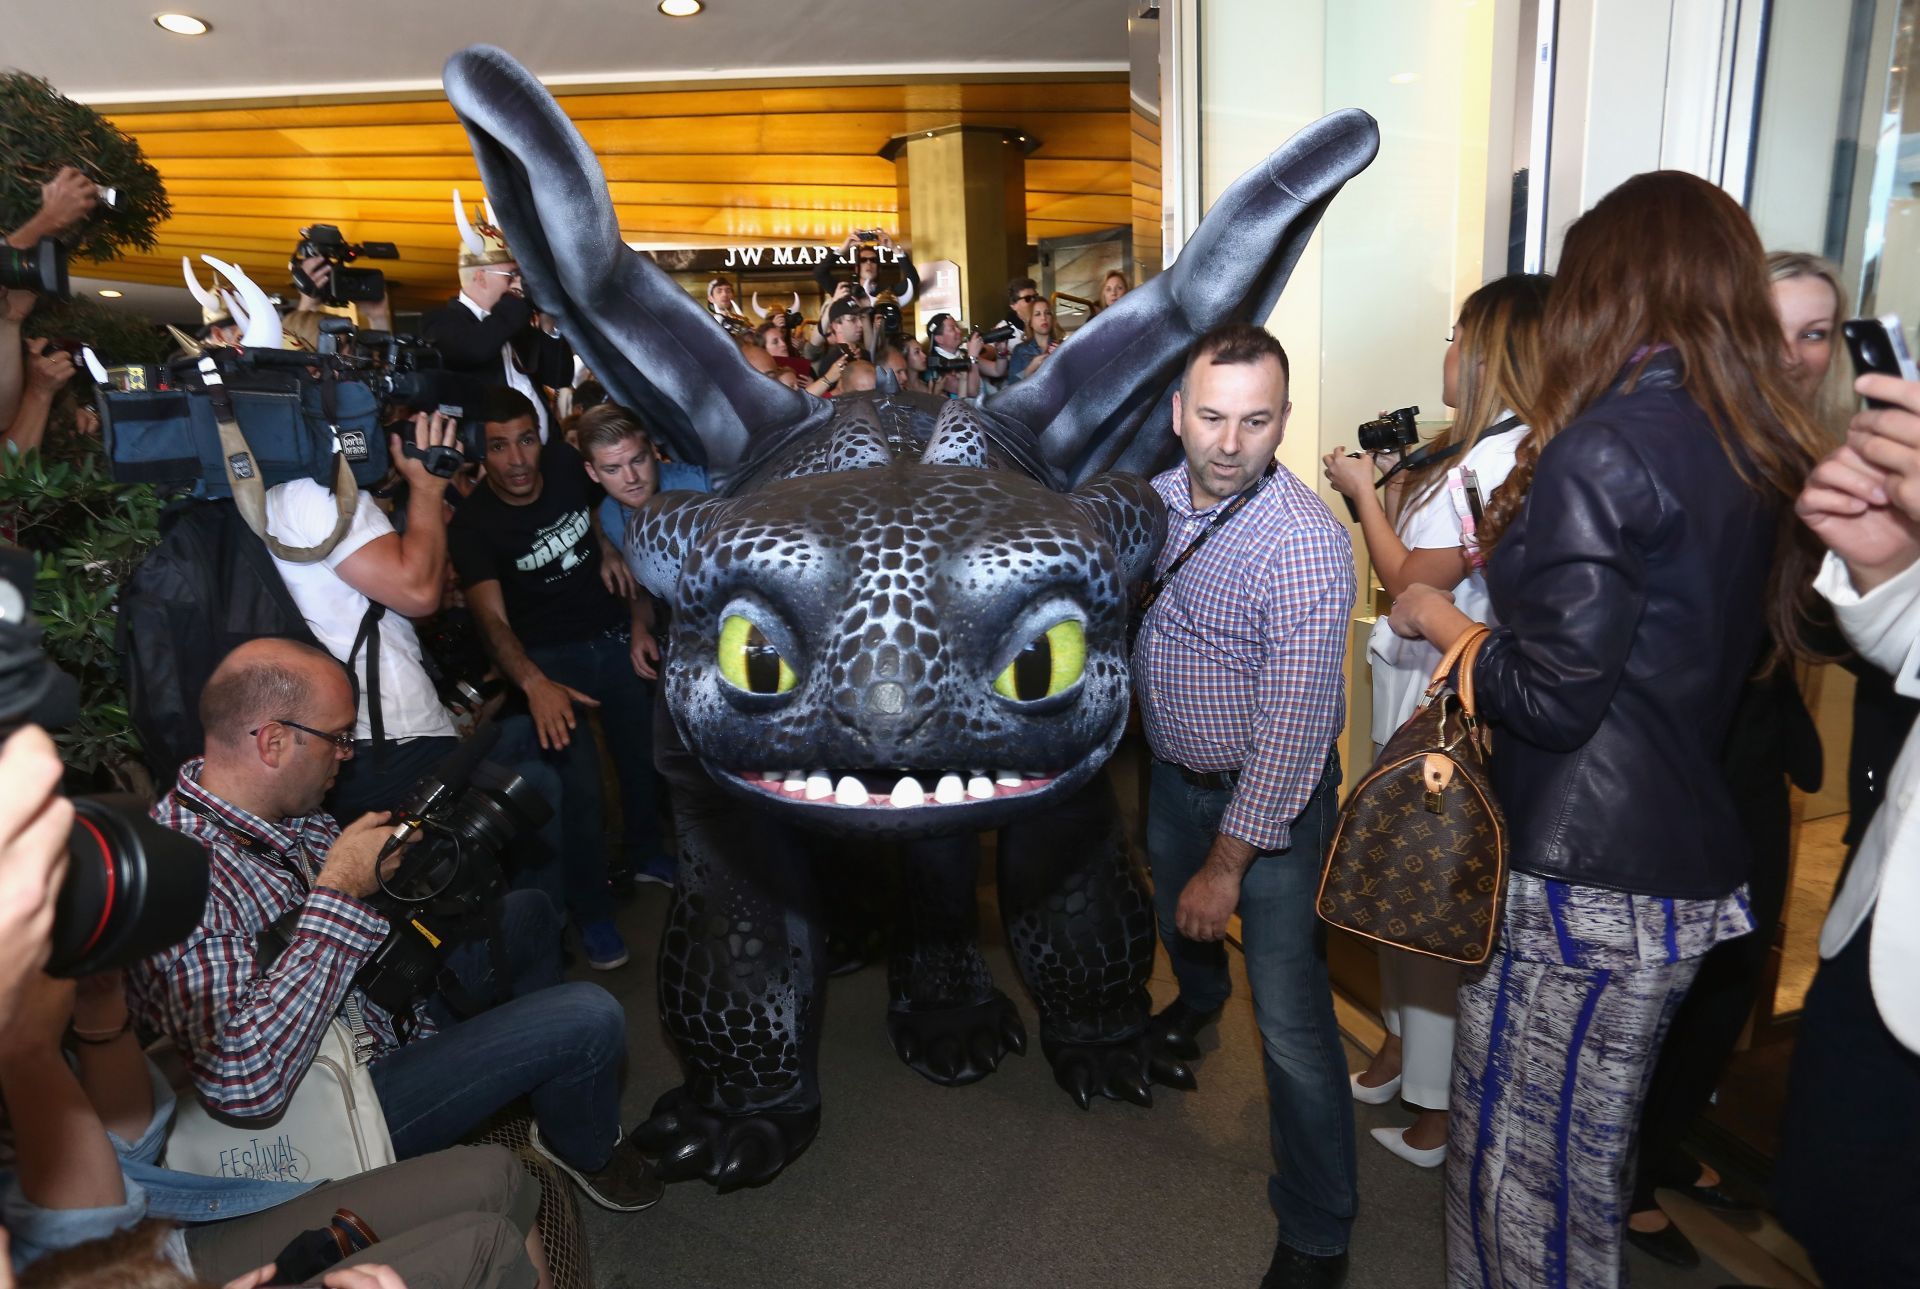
(543, 554)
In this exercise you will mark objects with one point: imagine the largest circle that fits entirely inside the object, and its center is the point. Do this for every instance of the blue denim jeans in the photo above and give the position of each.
(560, 1043)
(1309, 1105)
(601, 668)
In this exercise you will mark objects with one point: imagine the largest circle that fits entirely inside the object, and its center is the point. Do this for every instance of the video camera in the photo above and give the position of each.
(343, 284)
(132, 888)
(442, 893)
(161, 423)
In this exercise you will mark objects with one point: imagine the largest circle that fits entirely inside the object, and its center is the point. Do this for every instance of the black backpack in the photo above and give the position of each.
(208, 586)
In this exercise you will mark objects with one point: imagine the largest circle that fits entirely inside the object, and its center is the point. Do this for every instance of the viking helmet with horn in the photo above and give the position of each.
(483, 243)
(215, 307)
(758, 312)
(262, 319)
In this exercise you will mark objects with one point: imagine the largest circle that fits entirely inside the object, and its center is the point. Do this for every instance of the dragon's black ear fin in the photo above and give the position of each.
(958, 437)
(1101, 402)
(646, 339)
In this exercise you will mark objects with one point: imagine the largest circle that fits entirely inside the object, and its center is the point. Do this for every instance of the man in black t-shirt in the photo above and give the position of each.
(526, 548)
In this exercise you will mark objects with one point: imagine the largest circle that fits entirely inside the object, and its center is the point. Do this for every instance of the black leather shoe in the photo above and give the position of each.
(1292, 1269)
(1177, 1029)
(1715, 1198)
(1669, 1245)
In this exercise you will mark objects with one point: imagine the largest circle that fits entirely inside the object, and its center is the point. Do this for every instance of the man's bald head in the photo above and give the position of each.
(268, 680)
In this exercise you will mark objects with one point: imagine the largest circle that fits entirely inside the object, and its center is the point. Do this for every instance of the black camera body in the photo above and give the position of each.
(345, 285)
(886, 316)
(448, 881)
(1394, 432)
(132, 887)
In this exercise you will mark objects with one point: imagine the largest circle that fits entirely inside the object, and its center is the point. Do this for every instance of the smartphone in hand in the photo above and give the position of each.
(1879, 346)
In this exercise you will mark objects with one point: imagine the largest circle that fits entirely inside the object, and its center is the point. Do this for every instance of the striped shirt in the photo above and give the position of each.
(249, 1035)
(1240, 662)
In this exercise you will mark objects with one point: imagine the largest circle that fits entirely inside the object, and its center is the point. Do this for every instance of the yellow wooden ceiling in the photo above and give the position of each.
(711, 167)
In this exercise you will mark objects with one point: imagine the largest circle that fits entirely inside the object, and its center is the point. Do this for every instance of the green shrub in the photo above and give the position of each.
(42, 130)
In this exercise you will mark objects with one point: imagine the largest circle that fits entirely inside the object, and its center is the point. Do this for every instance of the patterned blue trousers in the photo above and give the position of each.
(1555, 1048)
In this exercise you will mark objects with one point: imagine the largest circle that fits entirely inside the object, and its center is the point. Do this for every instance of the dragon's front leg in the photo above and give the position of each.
(1081, 928)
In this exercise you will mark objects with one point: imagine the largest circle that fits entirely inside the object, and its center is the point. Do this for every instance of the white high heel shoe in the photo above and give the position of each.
(1395, 1139)
(1382, 1095)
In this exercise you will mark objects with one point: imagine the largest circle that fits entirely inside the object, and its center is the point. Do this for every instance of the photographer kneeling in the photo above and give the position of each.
(278, 717)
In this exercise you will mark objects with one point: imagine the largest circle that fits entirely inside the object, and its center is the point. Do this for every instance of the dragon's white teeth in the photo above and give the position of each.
(850, 792)
(980, 787)
(908, 792)
(819, 786)
(949, 790)
(1007, 778)
(793, 780)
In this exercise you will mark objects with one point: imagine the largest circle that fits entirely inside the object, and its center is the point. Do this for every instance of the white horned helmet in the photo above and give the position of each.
(483, 243)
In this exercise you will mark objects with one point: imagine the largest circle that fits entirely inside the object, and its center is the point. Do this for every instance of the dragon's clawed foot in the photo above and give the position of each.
(687, 1142)
(958, 1045)
(1121, 1070)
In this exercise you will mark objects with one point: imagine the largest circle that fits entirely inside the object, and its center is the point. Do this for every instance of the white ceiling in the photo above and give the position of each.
(109, 51)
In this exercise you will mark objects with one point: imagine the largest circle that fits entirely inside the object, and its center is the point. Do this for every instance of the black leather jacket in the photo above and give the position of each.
(1630, 588)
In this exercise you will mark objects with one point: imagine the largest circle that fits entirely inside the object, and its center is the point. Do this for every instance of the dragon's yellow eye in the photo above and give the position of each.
(1049, 665)
(749, 661)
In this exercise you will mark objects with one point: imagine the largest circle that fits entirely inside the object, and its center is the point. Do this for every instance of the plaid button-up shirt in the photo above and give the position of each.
(249, 1035)
(1239, 665)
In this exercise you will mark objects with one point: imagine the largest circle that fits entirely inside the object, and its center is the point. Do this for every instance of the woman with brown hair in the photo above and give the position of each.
(1631, 561)
(1423, 532)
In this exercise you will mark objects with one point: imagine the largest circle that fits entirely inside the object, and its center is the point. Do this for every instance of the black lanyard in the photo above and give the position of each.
(1226, 512)
(1420, 456)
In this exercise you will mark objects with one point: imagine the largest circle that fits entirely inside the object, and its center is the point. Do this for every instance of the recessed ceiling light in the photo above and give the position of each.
(1403, 78)
(680, 8)
(180, 24)
(110, 293)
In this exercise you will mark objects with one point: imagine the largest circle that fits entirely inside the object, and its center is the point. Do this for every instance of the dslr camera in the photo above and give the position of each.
(132, 888)
(345, 284)
(1394, 432)
(448, 881)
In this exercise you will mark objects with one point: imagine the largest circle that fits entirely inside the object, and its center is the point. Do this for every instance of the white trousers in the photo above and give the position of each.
(1417, 1000)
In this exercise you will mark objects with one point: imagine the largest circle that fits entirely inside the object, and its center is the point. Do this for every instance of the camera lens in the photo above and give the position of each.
(132, 888)
(41, 267)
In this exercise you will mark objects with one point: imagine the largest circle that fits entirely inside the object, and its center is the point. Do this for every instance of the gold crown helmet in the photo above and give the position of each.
(483, 243)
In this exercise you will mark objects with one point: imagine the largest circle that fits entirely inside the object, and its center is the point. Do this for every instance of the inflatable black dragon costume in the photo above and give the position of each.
(896, 616)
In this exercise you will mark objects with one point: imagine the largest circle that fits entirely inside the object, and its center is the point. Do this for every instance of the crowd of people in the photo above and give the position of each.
(1644, 492)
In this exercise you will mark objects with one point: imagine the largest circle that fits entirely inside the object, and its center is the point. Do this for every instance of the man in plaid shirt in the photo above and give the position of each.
(1238, 670)
(279, 720)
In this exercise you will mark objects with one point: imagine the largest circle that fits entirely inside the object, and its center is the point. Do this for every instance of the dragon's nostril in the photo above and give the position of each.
(887, 698)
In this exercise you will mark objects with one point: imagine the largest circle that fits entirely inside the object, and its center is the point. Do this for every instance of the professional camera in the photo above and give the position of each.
(132, 887)
(443, 891)
(886, 314)
(1394, 432)
(345, 284)
(296, 410)
(41, 267)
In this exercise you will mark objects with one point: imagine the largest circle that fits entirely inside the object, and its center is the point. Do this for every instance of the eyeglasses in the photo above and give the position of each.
(342, 741)
(1025, 299)
(867, 259)
(1453, 333)
(512, 275)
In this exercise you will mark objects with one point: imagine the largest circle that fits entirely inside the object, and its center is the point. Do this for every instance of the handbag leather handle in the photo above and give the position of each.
(1462, 651)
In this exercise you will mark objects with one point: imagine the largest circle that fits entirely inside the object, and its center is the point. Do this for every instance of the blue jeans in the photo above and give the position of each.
(1309, 1105)
(560, 1043)
(601, 667)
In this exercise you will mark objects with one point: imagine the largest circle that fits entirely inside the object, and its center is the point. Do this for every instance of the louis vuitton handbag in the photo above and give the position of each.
(1419, 859)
